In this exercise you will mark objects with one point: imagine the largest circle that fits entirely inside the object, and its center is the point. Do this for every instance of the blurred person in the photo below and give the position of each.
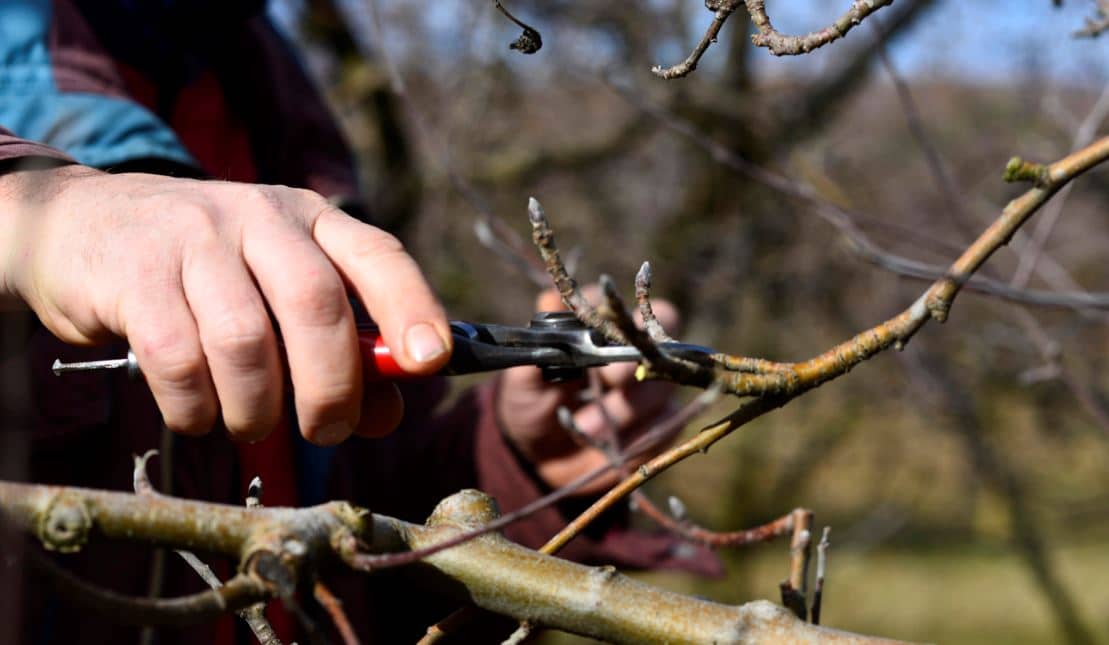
(170, 180)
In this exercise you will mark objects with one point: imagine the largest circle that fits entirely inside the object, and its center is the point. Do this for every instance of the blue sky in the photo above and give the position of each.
(986, 41)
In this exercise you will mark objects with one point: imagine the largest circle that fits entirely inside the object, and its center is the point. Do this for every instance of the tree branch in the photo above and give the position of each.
(780, 44)
(490, 571)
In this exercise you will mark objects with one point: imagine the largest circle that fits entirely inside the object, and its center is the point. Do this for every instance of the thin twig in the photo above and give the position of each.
(334, 607)
(503, 241)
(543, 238)
(655, 360)
(201, 607)
(846, 220)
(713, 539)
(721, 11)
(780, 44)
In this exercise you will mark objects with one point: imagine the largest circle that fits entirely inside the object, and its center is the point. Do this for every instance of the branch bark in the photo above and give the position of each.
(490, 571)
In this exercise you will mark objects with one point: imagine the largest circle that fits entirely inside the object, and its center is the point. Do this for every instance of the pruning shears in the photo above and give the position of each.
(556, 342)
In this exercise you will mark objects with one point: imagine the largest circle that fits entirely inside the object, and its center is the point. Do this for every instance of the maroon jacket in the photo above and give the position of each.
(236, 106)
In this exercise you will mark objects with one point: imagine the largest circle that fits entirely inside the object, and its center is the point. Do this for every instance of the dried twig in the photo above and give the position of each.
(530, 41)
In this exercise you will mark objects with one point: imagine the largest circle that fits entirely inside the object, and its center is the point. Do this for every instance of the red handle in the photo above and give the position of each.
(377, 361)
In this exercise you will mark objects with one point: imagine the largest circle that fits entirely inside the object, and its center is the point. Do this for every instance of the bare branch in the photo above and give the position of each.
(656, 364)
(543, 238)
(496, 574)
(775, 389)
(780, 44)
(721, 9)
(241, 591)
(643, 298)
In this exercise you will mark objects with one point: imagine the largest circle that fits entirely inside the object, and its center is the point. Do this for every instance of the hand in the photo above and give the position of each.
(527, 408)
(185, 270)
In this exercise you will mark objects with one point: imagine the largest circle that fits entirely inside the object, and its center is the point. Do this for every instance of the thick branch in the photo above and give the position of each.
(494, 573)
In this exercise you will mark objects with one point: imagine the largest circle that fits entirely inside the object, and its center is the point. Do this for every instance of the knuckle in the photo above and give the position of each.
(259, 202)
(241, 338)
(192, 420)
(325, 400)
(377, 246)
(171, 361)
(197, 217)
(317, 299)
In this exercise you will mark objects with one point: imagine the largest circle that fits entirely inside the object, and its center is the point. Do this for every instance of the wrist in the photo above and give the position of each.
(26, 192)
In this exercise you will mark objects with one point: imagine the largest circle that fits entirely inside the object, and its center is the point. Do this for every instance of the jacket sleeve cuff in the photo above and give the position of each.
(504, 474)
(13, 150)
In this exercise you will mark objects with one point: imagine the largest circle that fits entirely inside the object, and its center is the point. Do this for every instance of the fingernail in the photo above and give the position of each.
(423, 343)
(332, 433)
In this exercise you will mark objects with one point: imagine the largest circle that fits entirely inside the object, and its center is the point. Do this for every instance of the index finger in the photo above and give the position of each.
(391, 287)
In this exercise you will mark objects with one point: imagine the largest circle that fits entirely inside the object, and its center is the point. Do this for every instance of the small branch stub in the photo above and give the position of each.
(64, 525)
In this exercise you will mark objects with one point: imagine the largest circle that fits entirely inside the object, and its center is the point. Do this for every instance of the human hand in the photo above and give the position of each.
(189, 272)
(527, 408)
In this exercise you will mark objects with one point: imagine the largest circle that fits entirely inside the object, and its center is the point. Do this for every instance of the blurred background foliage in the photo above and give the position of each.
(965, 481)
